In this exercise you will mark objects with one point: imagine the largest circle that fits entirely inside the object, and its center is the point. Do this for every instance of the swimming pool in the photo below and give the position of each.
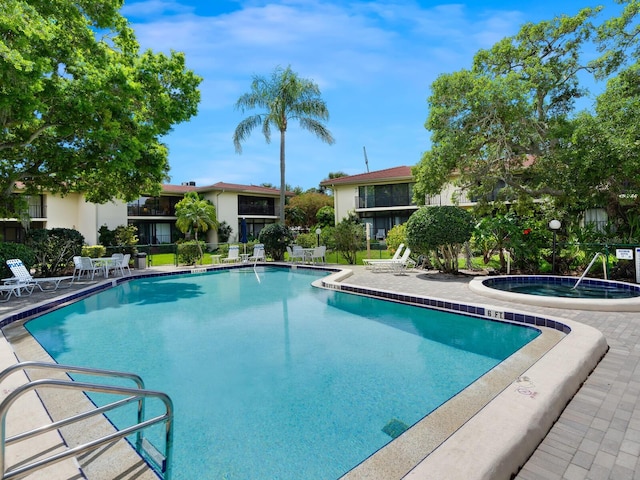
(304, 380)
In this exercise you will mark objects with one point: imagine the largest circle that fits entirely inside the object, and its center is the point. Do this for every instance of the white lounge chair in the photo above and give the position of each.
(14, 289)
(396, 266)
(369, 262)
(234, 255)
(258, 253)
(23, 278)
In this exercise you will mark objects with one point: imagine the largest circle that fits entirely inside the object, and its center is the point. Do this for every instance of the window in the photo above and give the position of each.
(392, 195)
(256, 205)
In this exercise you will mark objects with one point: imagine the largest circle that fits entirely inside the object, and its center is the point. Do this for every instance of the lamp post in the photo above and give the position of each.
(554, 225)
(318, 232)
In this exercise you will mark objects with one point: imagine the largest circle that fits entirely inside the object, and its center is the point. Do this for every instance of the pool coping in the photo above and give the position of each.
(605, 305)
(510, 429)
(498, 439)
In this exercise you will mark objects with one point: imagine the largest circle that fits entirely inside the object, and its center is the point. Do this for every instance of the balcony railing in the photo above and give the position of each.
(140, 211)
(371, 202)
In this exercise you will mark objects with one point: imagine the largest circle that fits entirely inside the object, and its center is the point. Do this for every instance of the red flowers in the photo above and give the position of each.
(526, 231)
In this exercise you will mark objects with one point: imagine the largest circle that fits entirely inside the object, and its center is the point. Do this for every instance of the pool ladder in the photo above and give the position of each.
(161, 462)
(593, 260)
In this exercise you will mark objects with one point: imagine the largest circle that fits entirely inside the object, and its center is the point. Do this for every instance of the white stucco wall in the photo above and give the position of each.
(344, 201)
(74, 212)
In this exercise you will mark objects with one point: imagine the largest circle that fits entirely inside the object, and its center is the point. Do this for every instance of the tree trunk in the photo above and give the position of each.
(283, 184)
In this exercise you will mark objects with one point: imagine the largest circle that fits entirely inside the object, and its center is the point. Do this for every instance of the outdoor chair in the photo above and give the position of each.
(296, 253)
(370, 262)
(23, 278)
(8, 290)
(258, 253)
(318, 254)
(396, 266)
(121, 263)
(234, 255)
(88, 267)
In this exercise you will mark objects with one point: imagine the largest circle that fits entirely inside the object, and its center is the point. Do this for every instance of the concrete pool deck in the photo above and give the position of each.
(598, 434)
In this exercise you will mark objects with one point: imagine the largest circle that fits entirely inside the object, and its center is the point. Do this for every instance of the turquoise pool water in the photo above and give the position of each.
(270, 377)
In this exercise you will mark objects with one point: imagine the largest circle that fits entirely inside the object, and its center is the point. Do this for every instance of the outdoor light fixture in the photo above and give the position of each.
(554, 225)
(318, 232)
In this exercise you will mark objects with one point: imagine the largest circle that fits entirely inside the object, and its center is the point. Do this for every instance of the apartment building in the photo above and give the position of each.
(154, 216)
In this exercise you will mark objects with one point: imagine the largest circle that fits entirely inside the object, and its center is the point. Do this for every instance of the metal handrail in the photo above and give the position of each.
(138, 394)
(593, 260)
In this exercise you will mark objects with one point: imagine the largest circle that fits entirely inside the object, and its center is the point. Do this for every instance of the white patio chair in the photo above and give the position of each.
(23, 278)
(297, 253)
(318, 254)
(370, 262)
(88, 267)
(258, 253)
(234, 255)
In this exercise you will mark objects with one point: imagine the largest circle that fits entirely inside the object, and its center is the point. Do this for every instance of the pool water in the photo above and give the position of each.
(564, 287)
(271, 377)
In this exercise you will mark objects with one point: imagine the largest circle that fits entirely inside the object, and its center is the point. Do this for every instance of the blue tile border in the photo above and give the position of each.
(454, 307)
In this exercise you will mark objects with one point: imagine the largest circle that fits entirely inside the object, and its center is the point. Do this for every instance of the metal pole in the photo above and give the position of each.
(553, 262)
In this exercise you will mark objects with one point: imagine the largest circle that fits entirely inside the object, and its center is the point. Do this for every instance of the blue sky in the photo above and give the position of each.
(374, 62)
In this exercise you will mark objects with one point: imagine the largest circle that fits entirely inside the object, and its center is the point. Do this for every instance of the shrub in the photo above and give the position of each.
(94, 251)
(11, 250)
(396, 236)
(441, 230)
(224, 232)
(326, 217)
(54, 249)
(306, 240)
(275, 237)
(190, 252)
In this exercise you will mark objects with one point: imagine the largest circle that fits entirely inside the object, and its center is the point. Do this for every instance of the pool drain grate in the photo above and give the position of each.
(394, 428)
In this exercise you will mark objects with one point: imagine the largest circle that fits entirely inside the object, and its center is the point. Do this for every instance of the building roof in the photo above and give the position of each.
(379, 176)
(222, 186)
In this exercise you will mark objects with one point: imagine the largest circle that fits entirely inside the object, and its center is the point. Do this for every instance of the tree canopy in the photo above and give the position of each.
(81, 108)
(283, 97)
(507, 129)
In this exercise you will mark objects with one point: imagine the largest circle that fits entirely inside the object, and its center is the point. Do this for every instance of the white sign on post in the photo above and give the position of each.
(624, 253)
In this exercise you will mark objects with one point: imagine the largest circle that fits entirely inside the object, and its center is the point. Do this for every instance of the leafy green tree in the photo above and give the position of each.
(326, 216)
(81, 108)
(194, 214)
(275, 237)
(283, 97)
(442, 230)
(501, 123)
(124, 238)
(54, 249)
(348, 237)
(308, 204)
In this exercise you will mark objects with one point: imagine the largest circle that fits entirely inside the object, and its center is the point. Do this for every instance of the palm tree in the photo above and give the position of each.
(283, 97)
(195, 213)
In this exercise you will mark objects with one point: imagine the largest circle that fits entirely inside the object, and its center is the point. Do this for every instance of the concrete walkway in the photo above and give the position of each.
(598, 435)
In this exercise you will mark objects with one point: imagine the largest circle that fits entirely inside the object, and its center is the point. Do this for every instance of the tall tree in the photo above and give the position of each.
(501, 122)
(81, 108)
(282, 97)
(194, 214)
